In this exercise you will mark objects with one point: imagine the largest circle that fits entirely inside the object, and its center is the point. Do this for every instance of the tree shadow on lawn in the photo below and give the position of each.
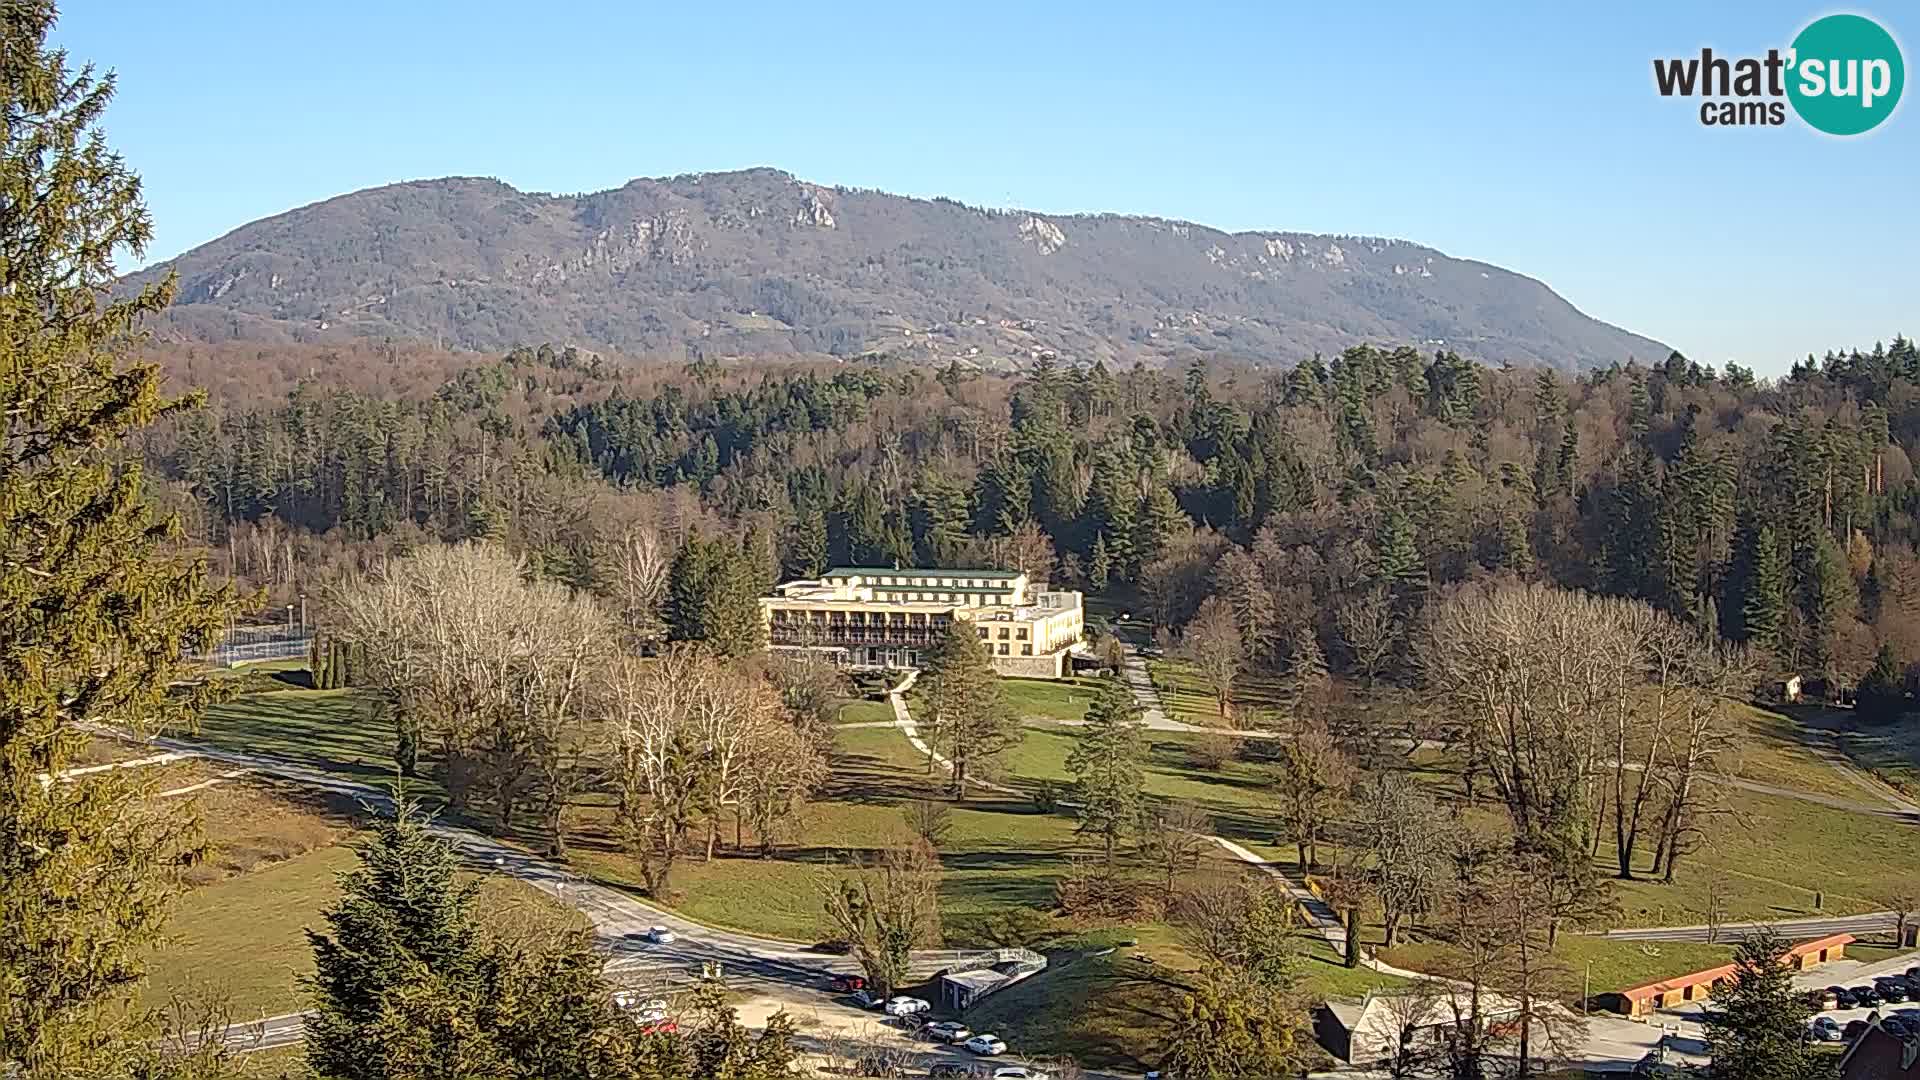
(865, 780)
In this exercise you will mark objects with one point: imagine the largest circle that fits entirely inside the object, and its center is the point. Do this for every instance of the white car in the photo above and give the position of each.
(1019, 1072)
(986, 1044)
(906, 1006)
(660, 935)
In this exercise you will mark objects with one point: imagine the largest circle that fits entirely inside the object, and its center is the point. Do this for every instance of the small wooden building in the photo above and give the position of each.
(1639, 1001)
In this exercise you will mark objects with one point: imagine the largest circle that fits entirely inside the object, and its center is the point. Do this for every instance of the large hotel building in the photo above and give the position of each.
(879, 618)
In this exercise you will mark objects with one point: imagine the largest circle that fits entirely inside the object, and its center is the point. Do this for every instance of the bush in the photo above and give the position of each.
(1090, 890)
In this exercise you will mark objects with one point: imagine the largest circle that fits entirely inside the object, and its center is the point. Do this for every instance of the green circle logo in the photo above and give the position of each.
(1846, 74)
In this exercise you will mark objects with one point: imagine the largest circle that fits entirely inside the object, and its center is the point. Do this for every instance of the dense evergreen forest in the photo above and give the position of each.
(1777, 512)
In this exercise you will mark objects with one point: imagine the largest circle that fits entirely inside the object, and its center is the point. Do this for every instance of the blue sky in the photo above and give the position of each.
(1527, 135)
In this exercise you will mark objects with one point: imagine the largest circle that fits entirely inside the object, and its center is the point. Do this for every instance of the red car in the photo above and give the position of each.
(660, 1027)
(847, 984)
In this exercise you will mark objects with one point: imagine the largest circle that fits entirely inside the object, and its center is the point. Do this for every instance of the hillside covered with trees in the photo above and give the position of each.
(1775, 512)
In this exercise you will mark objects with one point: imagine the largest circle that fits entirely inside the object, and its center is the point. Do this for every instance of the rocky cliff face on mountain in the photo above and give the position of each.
(757, 262)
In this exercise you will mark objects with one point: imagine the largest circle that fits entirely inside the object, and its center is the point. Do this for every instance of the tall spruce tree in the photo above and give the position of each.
(712, 596)
(1763, 599)
(401, 948)
(96, 611)
(1759, 1030)
(967, 716)
(1105, 766)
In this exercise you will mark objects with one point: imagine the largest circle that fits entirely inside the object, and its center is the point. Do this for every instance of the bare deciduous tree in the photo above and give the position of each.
(631, 569)
(1314, 775)
(492, 665)
(1369, 629)
(1171, 839)
(1405, 833)
(930, 820)
(1211, 643)
(884, 910)
(695, 737)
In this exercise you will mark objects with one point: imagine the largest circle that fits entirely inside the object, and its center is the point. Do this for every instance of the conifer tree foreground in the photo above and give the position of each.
(95, 610)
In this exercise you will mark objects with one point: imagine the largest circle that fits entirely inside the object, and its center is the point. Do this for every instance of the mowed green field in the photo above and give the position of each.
(243, 939)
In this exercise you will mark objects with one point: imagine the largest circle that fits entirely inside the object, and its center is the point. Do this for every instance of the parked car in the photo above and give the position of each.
(1894, 990)
(947, 1031)
(1854, 1029)
(1825, 1029)
(847, 984)
(1822, 1000)
(660, 935)
(660, 1027)
(1019, 1072)
(1865, 997)
(867, 999)
(902, 1005)
(1843, 995)
(986, 1044)
(1898, 1028)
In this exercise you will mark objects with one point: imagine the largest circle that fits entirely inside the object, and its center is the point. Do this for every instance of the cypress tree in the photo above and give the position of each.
(96, 610)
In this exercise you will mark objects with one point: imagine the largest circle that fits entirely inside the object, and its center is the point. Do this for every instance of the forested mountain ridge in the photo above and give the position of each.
(759, 263)
(1779, 513)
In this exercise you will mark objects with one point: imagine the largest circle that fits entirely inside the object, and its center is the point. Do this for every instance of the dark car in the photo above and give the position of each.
(1898, 1028)
(1865, 997)
(1894, 990)
(1844, 995)
(1855, 1028)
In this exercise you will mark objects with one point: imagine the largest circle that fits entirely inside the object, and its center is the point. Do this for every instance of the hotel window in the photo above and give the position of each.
(983, 633)
(1003, 634)
(1026, 650)
(1021, 633)
(1003, 648)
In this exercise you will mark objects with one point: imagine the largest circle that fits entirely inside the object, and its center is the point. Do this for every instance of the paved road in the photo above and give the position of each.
(1730, 933)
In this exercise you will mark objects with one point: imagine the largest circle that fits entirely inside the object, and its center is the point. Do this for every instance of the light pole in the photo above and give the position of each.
(289, 621)
(303, 613)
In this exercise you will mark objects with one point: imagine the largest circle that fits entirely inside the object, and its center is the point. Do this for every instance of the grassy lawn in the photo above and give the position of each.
(1113, 1011)
(1890, 751)
(1117, 1010)
(328, 730)
(243, 938)
(1048, 699)
(1777, 752)
(1616, 965)
(1773, 856)
(862, 711)
(1237, 794)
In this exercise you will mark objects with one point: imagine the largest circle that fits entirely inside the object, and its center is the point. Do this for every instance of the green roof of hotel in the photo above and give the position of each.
(877, 571)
